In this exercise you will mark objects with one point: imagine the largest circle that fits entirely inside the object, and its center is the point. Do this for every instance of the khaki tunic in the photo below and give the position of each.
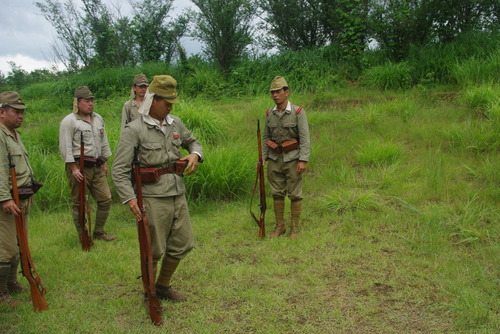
(166, 207)
(24, 173)
(281, 167)
(130, 111)
(94, 137)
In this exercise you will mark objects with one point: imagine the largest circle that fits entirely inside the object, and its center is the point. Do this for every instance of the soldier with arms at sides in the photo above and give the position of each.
(286, 149)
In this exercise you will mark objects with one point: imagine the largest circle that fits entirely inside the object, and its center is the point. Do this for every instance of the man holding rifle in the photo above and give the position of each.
(286, 148)
(158, 138)
(83, 121)
(11, 117)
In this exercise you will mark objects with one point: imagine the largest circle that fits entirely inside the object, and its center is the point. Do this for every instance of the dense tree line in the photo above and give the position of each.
(91, 35)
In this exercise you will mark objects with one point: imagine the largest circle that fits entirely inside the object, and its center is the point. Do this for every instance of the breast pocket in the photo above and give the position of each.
(291, 128)
(152, 154)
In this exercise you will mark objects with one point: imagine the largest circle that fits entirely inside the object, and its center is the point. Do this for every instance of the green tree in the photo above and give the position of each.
(398, 24)
(157, 39)
(295, 24)
(75, 36)
(347, 22)
(226, 29)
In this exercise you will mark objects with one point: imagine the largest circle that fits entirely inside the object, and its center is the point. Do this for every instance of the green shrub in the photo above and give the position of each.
(226, 173)
(375, 152)
(477, 70)
(482, 99)
(349, 200)
(389, 76)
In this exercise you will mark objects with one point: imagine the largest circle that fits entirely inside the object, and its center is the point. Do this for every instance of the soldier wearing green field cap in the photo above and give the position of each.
(160, 138)
(11, 117)
(287, 150)
(130, 110)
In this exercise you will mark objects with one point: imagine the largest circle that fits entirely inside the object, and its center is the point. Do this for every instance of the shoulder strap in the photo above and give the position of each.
(298, 110)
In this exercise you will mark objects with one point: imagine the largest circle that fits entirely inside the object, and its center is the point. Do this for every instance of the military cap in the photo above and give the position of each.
(83, 92)
(141, 80)
(11, 99)
(278, 83)
(164, 86)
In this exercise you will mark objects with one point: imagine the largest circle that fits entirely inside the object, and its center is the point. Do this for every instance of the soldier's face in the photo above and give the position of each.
(160, 108)
(140, 90)
(86, 106)
(280, 96)
(11, 118)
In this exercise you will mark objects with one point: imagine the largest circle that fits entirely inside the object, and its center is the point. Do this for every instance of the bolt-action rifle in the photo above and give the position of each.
(82, 201)
(28, 268)
(259, 178)
(147, 273)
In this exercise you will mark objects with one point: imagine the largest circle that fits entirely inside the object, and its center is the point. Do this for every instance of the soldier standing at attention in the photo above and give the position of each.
(287, 149)
(83, 120)
(137, 93)
(159, 138)
(11, 117)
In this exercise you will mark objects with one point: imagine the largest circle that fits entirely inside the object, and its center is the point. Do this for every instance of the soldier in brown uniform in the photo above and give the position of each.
(11, 117)
(287, 149)
(83, 120)
(130, 110)
(159, 137)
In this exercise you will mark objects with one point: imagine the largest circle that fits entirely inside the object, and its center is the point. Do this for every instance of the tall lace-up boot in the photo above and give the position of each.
(279, 215)
(296, 209)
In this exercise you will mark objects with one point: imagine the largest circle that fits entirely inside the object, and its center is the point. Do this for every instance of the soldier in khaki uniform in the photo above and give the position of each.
(130, 109)
(160, 137)
(11, 117)
(84, 120)
(287, 149)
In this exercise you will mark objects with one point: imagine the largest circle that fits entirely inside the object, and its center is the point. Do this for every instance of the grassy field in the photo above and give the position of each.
(400, 225)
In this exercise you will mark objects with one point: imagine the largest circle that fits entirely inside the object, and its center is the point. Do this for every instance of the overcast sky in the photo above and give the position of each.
(26, 38)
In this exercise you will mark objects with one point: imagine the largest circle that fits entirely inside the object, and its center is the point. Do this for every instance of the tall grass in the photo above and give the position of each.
(389, 76)
(399, 230)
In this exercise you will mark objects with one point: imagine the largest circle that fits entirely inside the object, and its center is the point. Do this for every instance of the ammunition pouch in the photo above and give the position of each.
(27, 192)
(290, 145)
(287, 146)
(152, 174)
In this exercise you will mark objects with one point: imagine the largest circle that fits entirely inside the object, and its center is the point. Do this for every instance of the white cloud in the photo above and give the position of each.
(26, 63)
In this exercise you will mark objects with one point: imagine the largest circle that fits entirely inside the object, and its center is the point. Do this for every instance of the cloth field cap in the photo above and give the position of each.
(164, 86)
(141, 80)
(83, 92)
(11, 99)
(278, 83)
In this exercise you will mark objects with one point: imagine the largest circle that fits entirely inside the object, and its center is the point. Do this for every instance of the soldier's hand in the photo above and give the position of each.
(77, 175)
(301, 167)
(192, 163)
(10, 207)
(136, 211)
(104, 167)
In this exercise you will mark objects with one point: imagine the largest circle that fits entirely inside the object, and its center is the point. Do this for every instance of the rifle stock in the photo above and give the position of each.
(85, 235)
(147, 273)
(259, 179)
(28, 268)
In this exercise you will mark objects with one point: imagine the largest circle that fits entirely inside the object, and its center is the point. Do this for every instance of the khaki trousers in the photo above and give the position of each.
(97, 185)
(9, 249)
(284, 179)
(170, 226)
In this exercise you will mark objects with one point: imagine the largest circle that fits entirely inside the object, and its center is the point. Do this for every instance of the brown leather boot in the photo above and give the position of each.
(5, 298)
(296, 209)
(13, 285)
(279, 214)
(103, 236)
(167, 292)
